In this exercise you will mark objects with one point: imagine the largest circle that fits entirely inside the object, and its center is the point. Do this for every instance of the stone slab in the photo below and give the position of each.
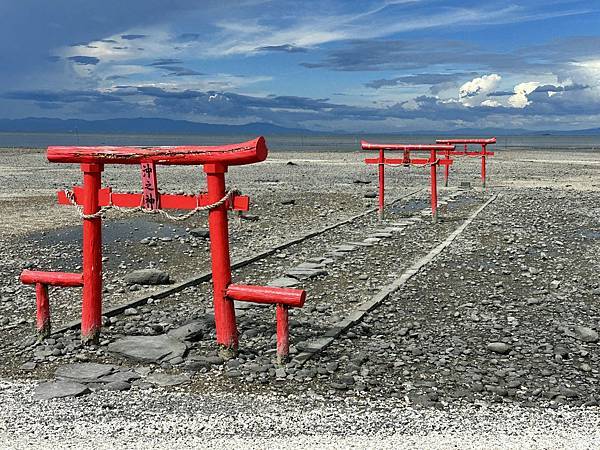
(83, 372)
(148, 348)
(60, 389)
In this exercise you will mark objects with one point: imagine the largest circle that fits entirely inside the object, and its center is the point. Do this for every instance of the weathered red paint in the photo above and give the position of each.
(42, 311)
(65, 279)
(433, 161)
(283, 333)
(227, 334)
(91, 306)
(294, 298)
(433, 167)
(283, 298)
(466, 142)
(230, 155)
(446, 168)
(167, 201)
(150, 197)
(381, 168)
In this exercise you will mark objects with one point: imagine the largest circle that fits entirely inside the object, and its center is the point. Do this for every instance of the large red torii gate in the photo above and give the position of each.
(474, 154)
(407, 160)
(93, 201)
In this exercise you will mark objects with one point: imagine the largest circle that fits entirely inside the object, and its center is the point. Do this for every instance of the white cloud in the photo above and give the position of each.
(474, 92)
(491, 103)
(522, 90)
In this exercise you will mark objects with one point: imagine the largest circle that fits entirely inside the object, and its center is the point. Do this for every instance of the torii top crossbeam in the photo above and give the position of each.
(229, 155)
(466, 141)
(406, 147)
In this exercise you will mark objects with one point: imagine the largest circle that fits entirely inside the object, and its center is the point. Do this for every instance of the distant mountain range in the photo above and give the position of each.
(504, 132)
(139, 126)
(169, 126)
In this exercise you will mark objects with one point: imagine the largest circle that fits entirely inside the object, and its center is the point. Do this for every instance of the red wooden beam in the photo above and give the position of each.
(410, 161)
(410, 147)
(234, 154)
(167, 201)
(66, 279)
(466, 141)
(267, 294)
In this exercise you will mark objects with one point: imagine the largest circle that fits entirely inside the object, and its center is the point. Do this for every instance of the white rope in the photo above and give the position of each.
(101, 213)
(433, 163)
(412, 164)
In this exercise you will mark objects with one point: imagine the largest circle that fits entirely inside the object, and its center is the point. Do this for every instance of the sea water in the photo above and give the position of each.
(309, 143)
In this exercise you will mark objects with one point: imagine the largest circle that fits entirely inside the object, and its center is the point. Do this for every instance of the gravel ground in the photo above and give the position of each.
(494, 343)
(171, 418)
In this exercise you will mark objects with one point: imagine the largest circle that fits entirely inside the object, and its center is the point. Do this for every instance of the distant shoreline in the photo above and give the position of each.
(282, 142)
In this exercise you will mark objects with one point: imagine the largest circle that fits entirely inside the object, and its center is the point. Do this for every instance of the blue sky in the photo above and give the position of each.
(372, 65)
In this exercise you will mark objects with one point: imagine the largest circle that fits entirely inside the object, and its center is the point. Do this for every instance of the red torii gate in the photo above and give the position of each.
(93, 201)
(474, 154)
(407, 160)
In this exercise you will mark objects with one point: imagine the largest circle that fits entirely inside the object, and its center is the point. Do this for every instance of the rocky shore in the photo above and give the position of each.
(498, 327)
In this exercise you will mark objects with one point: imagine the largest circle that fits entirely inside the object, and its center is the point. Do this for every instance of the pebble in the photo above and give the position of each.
(586, 334)
(499, 347)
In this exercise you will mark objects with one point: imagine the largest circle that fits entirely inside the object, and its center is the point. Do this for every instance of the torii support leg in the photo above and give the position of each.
(227, 335)
(433, 164)
(483, 174)
(446, 169)
(91, 308)
(42, 311)
(381, 167)
(283, 334)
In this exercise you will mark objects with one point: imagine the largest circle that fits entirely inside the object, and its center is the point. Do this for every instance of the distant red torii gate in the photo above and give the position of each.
(474, 154)
(92, 201)
(407, 160)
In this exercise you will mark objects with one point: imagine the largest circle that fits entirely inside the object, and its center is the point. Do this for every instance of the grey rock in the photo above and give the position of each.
(305, 273)
(344, 248)
(568, 392)
(192, 331)
(60, 389)
(147, 276)
(280, 373)
(176, 360)
(284, 282)
(166, 379)
(28, 366)
(205, 361)
(200, 233)
(370, 195)
(117, 386)
(289, 201)
(83, 372)
(121, 376)
(498, 347)
(586, 334)
(332, 367)
(148, 348)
